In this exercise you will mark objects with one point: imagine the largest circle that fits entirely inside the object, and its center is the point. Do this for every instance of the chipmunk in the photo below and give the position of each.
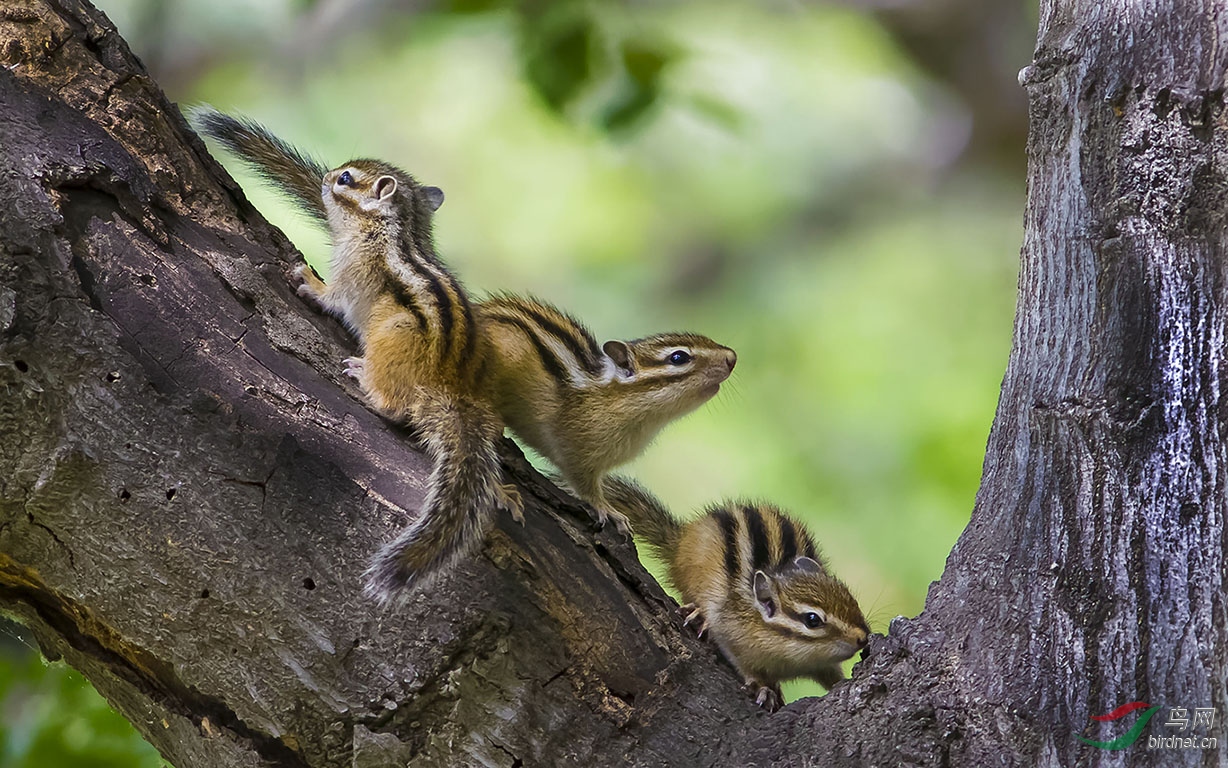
(752, 578)
(590, 408)
(423, 356)
(584, 407)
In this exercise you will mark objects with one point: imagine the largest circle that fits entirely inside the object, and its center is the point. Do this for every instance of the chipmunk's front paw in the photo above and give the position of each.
(621, 523)
(767, 696)
(310, 285)
(354, 367)
(690, 615)
(511, 500)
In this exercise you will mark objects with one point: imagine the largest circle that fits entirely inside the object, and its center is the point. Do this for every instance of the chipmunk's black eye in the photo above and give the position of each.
(812, 620)
(345, 179)
(678, 357)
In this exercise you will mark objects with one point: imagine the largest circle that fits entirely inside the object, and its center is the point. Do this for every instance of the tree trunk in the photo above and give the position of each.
(190, 490)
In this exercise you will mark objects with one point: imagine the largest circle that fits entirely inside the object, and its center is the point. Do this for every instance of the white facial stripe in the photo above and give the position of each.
(802, 610)
(609, 372)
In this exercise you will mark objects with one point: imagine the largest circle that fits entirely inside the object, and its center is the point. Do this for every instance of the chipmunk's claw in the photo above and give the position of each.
(691, 614)
(513, 502)
(311, 287)
(621, 523)
(354, 367)
(768, 697)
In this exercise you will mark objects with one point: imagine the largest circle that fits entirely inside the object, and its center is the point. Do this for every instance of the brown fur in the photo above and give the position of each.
(422, 354)
(460, 436)
(569, 401)
(714, 561)
(549, 380)
(422, 357)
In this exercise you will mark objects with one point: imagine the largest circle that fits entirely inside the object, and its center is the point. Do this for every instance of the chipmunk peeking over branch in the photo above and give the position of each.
(751, 577)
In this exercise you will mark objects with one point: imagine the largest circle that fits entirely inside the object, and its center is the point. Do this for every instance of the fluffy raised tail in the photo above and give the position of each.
(295, 174)
(461, 438)
(650, 520)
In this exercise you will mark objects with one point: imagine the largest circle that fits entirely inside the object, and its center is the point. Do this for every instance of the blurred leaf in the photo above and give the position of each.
(629, 108)
(717, 111)
(559, 48)
(643, 62)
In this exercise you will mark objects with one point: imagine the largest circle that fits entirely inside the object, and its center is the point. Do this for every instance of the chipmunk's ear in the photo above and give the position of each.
(765, 597)
(433, 196)
(381, 192)
(807, 564)
(385, 187)
(620, 353)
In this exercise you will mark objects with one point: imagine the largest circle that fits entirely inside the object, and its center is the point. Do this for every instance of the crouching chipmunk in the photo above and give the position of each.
(752, 579)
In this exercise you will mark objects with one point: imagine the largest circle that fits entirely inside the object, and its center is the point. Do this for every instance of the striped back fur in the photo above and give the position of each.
(759, 537)
(366, 218)
(754, 537)
(568, 351)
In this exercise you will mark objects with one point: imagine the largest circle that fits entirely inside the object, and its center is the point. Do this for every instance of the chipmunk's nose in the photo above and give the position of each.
(731, 359)
(863, 641)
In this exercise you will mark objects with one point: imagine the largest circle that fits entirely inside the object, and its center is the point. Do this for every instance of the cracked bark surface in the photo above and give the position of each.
(189, 489)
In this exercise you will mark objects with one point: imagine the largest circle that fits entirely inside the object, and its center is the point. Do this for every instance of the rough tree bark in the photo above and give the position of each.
(189, 489)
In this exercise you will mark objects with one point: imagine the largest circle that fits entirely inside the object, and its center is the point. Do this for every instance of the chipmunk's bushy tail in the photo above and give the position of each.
(466, 486)
(278, 162)
(649, 518)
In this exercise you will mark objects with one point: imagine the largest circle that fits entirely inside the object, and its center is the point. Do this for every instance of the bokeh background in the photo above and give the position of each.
(833, 189)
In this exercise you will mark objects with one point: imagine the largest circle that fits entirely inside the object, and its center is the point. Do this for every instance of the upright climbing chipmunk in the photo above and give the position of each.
(588, 408)
(423, 357)
(752, 578)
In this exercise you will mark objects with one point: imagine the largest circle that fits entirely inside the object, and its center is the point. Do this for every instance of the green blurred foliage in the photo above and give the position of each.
(52, 718)
(779, 178)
